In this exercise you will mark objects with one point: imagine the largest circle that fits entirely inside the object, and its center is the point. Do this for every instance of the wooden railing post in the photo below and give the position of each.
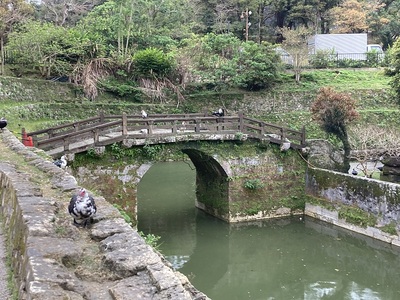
(96, 136)
(303, 136)
(24, 135)
(198, 124)
(66, 144)
(241, 125)
(101, 117)
(124, 124)
(150, 125)
(174, 126)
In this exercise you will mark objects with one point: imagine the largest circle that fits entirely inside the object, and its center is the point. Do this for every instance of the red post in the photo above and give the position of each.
(26, 140)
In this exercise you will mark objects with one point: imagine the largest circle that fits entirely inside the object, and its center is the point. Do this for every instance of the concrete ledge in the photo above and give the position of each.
(332, 217)
(52, 259)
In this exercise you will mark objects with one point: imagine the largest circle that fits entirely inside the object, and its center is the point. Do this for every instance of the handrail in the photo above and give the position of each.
(134, 126)
(80, 132)
(63, 126)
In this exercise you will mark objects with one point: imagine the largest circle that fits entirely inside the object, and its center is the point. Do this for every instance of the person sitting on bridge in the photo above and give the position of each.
(219, 113)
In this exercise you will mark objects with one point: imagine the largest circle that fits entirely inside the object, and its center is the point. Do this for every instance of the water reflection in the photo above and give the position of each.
(292, 258)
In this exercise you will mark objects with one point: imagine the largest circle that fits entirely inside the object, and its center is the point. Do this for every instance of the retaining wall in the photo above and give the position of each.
(52, 259)
(380, 198)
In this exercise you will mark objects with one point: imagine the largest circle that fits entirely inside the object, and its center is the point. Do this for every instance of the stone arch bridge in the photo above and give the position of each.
(235, 188)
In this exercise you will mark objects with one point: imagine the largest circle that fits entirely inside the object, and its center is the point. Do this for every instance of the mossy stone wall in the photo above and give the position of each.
(380, 198)
(234, 182)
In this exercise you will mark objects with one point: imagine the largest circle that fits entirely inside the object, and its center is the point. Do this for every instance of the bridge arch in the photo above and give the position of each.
(212, 184)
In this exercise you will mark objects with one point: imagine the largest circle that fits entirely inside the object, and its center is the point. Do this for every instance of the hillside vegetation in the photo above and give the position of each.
(37, 104)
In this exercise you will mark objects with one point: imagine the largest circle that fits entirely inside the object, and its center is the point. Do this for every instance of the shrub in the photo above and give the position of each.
(152, 63)
(253, 184)
(322, 59)
(257, 67)
(121, 88)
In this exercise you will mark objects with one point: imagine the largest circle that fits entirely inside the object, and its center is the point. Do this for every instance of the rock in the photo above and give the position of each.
(322, 154)
(388, 170)
(139, 285)
(106, 228)
(391, 161)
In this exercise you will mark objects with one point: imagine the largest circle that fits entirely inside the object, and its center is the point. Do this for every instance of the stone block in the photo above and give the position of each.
(38, 290)
(109, 227)
(139, 285)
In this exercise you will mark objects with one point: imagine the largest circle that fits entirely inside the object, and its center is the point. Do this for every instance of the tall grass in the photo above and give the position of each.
(340, 79)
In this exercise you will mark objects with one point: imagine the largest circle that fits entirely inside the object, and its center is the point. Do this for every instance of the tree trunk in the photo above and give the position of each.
(2, 57)
(297, 76)
(346, 148)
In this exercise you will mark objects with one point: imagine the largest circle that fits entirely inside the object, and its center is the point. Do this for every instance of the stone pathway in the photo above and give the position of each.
(109, 260)
(4, 292)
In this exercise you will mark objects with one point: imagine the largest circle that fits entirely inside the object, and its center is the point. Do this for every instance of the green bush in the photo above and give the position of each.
(350, 63)
(394, 68)
(116, 151)
(322, 59)
(151, 151)
(151, 239)
(257, 67)
(253, 184)
(152, 63)
(121, 88)
(374, 59)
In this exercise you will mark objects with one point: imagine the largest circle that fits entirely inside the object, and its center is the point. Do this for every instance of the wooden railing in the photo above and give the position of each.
(104, 130)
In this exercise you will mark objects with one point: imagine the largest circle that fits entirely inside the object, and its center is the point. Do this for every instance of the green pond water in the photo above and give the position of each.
(291, 258)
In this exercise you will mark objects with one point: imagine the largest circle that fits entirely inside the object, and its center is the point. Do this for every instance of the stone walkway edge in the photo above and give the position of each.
(139, 272)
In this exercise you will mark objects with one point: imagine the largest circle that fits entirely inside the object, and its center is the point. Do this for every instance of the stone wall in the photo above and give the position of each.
(380, 198)
(52, 259)
(233, 183)
(332, 217)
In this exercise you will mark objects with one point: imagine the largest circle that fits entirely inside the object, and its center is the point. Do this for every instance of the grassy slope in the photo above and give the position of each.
(369, 87)
(369, 84)
(341, 80)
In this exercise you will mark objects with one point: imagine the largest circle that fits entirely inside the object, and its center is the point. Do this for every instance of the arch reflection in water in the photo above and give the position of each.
(166, 207)
(275, 259)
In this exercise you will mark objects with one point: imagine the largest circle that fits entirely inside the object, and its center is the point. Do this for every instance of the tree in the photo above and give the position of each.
(212, 58)
(224, 60)
(152, 68)
(349, 17)
(126, 26)
(11, 12)
(372, 144)
(394, 71)
(49, 49)
(65, 12)
(257, 68)
(312, 14)
(383, 21)
(334, 111)
(296, 44)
